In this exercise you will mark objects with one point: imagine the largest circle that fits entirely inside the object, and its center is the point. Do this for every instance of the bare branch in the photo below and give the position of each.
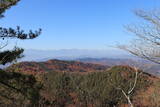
(135, 81)
(147, 43)
(127, 97)
(129, 92)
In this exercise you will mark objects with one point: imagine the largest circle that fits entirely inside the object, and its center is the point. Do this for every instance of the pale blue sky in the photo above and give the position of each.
(75, 24)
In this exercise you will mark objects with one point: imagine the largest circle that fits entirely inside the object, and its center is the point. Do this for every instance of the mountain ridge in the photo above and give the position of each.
(56, 65)
(82, 65)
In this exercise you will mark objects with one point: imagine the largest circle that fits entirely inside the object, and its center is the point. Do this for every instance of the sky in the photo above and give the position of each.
(75, 24)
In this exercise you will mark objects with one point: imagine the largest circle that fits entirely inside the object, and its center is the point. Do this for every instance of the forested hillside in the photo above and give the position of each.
(56, 65)
(66, 88)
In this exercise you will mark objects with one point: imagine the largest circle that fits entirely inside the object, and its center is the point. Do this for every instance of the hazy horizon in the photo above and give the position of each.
(35, 54)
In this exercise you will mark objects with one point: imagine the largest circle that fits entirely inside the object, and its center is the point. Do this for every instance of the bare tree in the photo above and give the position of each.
(147, 43)
(129, 92)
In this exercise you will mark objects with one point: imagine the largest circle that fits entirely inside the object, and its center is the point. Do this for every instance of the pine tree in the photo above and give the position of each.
(10, 33)
(15, 88)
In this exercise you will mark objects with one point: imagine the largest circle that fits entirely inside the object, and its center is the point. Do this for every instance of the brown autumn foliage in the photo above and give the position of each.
(56, 65)
(65, 84)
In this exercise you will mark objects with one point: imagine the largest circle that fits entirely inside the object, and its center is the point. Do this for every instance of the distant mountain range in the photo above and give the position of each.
(72, 54)
(102, 57)
(84, 65)
(145, 65)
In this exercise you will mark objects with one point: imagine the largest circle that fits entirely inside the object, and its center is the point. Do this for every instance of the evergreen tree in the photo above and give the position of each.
(15, 89)
(10, 33)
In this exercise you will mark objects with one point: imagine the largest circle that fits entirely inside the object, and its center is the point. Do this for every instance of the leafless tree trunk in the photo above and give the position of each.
(128, 93)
